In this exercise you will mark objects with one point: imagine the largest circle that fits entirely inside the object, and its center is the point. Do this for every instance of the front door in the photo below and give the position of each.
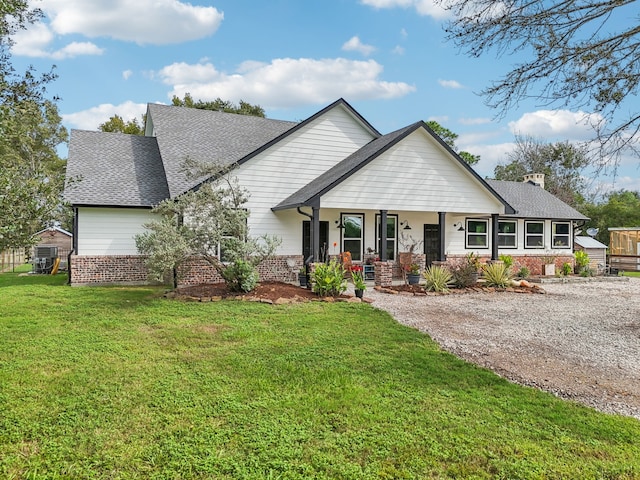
(431, 242)
(306, 240)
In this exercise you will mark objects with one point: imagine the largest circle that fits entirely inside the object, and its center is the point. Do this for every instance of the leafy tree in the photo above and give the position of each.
(218, 104)
(562, 164)
(117, 124)
(580, 54)
(619, 209)
(210, 223)
(31, 173)
(450, 139)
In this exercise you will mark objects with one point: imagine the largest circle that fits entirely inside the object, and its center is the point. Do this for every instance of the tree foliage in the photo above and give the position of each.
(209, 222)
(562, 164)
(244, 108)
(581, 54)
(450, 139)
(31, 172)
(117, 124)
(618, 209)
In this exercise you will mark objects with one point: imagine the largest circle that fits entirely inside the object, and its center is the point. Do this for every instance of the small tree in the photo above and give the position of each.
(209, 222)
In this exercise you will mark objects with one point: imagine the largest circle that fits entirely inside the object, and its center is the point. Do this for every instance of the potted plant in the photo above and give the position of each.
(473, 267)
(413, 274)
(302, 277)
(358, 283)
(548, 264)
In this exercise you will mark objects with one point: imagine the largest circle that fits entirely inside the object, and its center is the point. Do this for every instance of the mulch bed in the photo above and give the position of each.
(265, 292)
(419, 289)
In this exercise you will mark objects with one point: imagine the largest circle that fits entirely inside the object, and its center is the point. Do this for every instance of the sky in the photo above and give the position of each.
(388, 58)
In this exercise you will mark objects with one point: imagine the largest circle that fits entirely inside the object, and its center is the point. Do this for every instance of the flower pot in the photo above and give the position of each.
(359, 293)
(549, 269)
(413, 278)
(302, 278)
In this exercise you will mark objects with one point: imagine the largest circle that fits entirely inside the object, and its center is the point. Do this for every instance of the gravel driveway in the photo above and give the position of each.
(580, 341)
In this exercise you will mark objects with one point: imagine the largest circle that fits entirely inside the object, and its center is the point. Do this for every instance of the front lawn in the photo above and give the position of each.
(115, 383)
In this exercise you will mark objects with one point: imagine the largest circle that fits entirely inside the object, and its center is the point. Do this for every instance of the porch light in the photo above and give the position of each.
(458, 226)
(339, 224)
(406, 225)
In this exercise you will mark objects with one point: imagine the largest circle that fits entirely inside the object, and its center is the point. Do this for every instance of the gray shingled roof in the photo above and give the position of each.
(532, 201)
(114, 169)
(208, 137)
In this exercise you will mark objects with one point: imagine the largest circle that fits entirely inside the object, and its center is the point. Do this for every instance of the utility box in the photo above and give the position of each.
(44, 258)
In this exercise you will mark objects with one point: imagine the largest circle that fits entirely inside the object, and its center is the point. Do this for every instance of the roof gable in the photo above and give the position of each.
(114, 169)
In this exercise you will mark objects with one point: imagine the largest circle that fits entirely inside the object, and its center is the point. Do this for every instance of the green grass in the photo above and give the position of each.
(631, 274)
(115, 383)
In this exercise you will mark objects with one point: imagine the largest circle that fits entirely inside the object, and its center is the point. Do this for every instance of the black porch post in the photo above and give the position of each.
(315, 233)
(494, 236)
(441, 227)
(383, 236)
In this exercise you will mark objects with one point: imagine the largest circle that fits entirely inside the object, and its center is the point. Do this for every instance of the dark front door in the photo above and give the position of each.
(431, 242)
(306, 240)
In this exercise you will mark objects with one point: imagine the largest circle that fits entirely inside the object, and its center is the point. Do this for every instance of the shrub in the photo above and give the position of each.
(464, 275)
(328, 279)
(437, 278)
(566, 269)
(358, 280)
(240, 276)
(524, 272)
(497, 275)
(507, 260)
(582, 260)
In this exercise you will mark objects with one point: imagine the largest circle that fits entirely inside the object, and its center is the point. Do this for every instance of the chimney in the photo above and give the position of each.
(535, 178)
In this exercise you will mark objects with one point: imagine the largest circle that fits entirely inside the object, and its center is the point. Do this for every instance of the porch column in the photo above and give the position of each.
(442, 226)
(383, 236)
(315, 233)
(494, 236)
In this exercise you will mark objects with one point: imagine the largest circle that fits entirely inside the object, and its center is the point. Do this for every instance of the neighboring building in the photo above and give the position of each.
(624, 249)
(597, 252)
(323, 185)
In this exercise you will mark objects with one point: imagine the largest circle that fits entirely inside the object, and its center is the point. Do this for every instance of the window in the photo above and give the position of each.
(561, 235)
(392, 236)
(477, 233)
(352, 234)
(507, 234)
(534, 234)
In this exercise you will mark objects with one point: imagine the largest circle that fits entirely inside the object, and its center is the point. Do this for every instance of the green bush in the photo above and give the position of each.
(240, 276)
(328, 279)
(507, 260)
(437, 278)
(582, 260)
(497, 275)
(464, 275)
(524, 272)
(566, 269)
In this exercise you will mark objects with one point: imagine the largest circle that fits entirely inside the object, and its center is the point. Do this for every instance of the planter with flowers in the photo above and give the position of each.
(413, 274)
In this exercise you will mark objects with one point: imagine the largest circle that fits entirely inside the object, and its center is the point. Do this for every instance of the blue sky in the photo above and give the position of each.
(387, 58)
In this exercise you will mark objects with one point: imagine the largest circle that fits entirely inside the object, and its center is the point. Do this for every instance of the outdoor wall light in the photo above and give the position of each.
(339, 224)
(406, 225)
(458, 226)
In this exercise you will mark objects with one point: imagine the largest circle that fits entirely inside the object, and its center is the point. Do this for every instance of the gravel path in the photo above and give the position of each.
(580, 341)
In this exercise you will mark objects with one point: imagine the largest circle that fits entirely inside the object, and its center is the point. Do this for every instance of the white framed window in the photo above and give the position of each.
(477, 233)
(392, 235)
(561, 234)
(507, 234)
(534, 234)
(353, 234)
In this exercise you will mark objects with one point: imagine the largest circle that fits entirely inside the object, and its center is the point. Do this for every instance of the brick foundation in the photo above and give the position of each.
(130, 270)
(383, 273)
(108, 270)
(532, 262)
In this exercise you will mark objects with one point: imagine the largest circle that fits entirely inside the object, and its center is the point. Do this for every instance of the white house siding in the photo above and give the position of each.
(415, 175)
(283, 169)
(118, 239)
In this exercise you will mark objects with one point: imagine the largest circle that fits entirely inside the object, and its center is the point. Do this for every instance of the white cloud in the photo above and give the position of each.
(355, 45)
(127, 74)
(398, 50)
(285, 82)
(490, 156)
(91, 118)
(423, 7)
(454, 84)
(442, 119)
(158, 22)
(550, 124)
(35, 42)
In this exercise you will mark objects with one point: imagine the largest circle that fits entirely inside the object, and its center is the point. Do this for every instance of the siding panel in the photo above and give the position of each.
(110, 231)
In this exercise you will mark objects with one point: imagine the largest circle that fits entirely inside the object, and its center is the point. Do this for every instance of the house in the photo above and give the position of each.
(324, 185)
(56, 237)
